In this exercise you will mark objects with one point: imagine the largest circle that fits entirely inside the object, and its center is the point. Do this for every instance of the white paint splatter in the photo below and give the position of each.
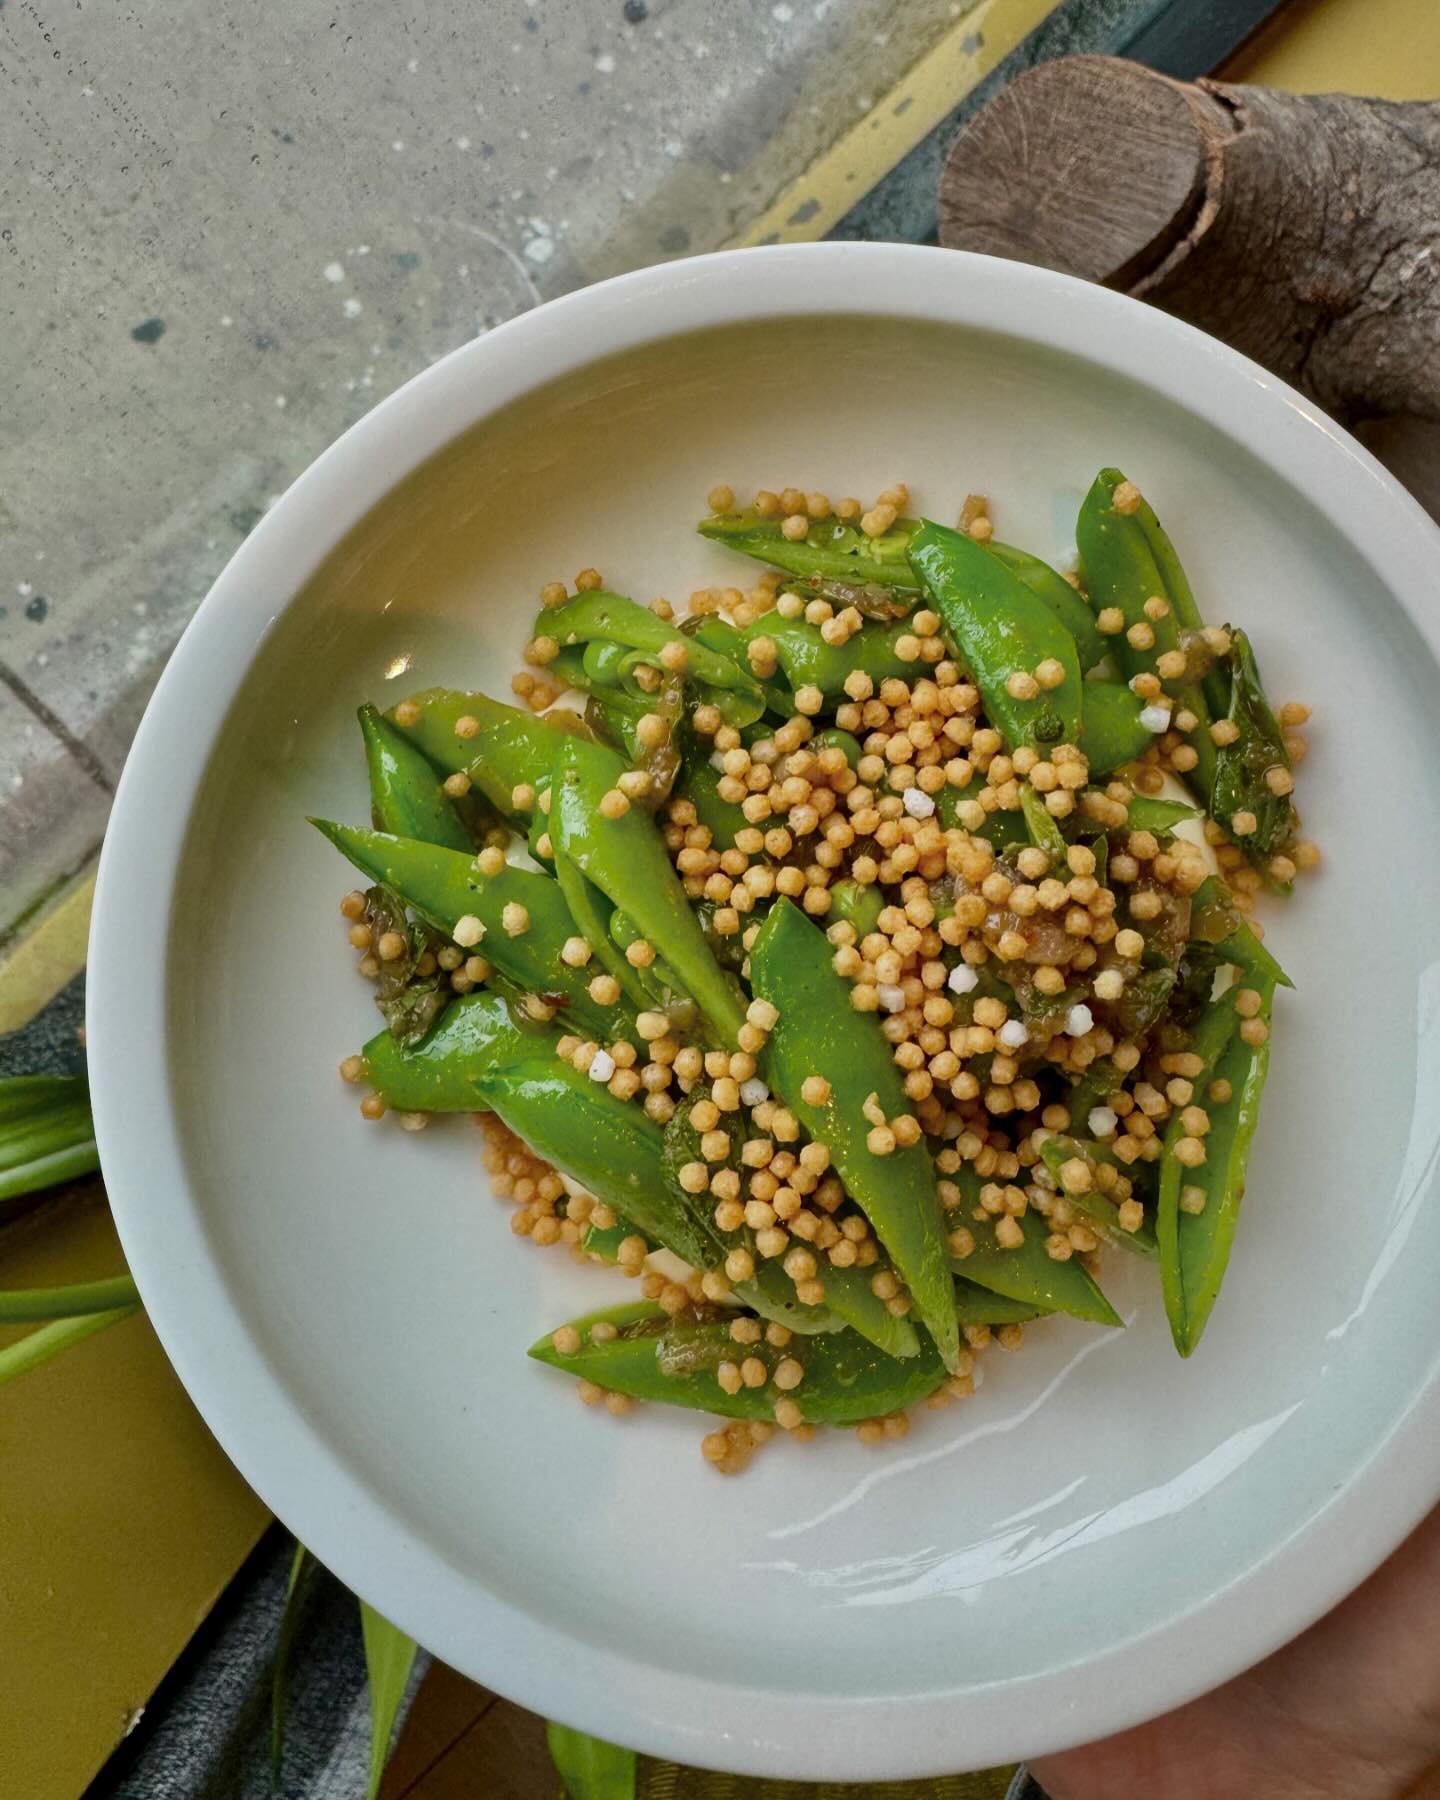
(334, 271)
(281, 402)
(783, 13)
(24, 589)
(605, 64)
(353, 308)
(673, 147)
(540, 249)
(362, 249)
(88, 93)
(413, 64)
(462, 143)
(226, 320)
(398, 145)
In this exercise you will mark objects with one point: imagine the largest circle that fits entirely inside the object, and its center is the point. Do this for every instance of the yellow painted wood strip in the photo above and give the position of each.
(1390, 48)
(49, 956)
(121, 1521)
(974, 46)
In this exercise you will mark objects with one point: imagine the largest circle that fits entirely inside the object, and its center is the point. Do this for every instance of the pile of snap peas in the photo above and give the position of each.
(833, 957)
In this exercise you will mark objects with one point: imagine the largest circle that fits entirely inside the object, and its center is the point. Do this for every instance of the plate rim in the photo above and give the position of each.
(262, 1426)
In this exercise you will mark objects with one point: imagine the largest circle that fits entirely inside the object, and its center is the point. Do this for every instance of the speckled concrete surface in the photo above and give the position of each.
(226, 233)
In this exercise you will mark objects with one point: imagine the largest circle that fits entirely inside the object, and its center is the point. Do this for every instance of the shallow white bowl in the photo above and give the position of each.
(1103, 1531)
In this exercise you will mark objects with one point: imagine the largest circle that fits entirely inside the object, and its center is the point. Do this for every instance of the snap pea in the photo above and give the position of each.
(505, 753)
(612, 617)
(443, 886)
(1121, 571)
(608, 1145)
(818, 1031)
(1181, 596)
(476, 1033)
(831, 548)
(700, 785)
(832, 738)
(1241, 767)
(593, 915)
(406, 798)
(1110, 730)
(1045, 832)
(665, 989)
(1096, 1208)
(1000, 627)
(806, 660)
(1204, 1239)
(1209, 1041)
(1064, 601)
(603, 1242)
(771, 1292)
(1214, 919)
(1150, 814)
(859, 905)
(975, 1305)
(653, 1357)
(626, 859)
(1028, 1273)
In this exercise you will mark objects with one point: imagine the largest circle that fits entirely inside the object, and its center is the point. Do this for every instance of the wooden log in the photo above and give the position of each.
(1302, 229)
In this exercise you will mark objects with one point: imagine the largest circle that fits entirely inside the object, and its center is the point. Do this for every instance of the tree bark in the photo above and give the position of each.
(1304, 230)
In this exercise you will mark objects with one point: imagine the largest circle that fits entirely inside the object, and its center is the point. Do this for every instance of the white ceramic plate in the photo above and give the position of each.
(1103, 1531)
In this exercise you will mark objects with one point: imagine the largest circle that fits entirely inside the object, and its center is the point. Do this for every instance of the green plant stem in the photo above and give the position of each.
(53, 1340)
(77, 1301)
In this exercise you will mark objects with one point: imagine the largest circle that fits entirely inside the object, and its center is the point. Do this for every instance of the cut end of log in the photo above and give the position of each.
(1088, 164)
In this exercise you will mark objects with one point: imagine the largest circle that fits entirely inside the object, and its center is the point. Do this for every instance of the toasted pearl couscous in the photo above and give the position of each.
(852, 959)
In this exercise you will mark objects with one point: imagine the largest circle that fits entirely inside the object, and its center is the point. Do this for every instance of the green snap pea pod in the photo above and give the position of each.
(1205, 1238)
(830, 548)
(832, 738)
(1045, 832)
(1001, 827)
(1241, 767)
(1215, 920)
(406, 798)
(1028, 1273)
(1064, 601)
(1110, 730)
(603, 1242)
(700, 785)
(597, 614)
(476, 1033)
(653, 1357)
(819, 1032)
(443, 887)
(504, 754)
(665, 989)
(1001, 626)
(1094, 1088)
(1096, 1208)
(975, 1305)
(806, 660)
(858, 905)
(1150, 814)
(626, 859)
(770, 1292)
(603, 662)
(594, 916)
(537, 833)
(1181, 596)
(606, 1144)
(1210, 1040)
(1121, 571)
